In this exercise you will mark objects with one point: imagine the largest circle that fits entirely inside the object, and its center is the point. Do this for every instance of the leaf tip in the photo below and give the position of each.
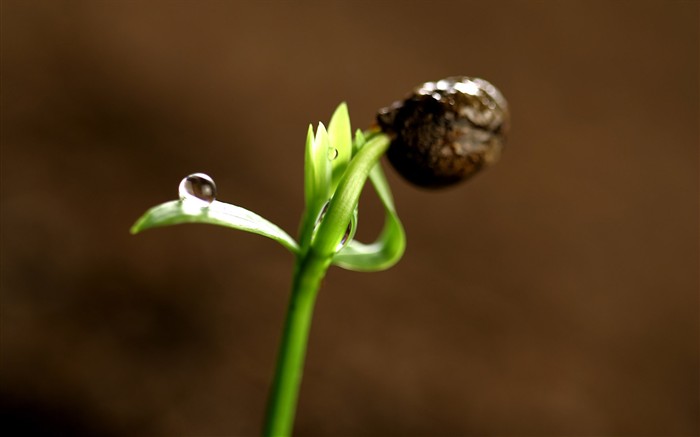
(136, 227)
(342, 109)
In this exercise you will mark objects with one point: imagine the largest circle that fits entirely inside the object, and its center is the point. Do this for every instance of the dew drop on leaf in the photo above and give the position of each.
(346, 237)
(348, 231)
(332, 153)
(198, 189)
(322, 213)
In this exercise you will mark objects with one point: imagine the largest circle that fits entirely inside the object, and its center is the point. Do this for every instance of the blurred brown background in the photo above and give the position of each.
(555, 294)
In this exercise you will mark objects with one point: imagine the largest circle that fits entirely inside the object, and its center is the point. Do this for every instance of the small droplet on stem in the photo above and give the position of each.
(348, 231)
(346, 237)
(198, 189)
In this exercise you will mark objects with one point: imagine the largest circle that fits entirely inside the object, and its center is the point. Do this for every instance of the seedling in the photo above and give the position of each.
(442, 133)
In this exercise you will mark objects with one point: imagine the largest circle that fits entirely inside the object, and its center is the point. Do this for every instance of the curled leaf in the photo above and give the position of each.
(317, 180)
(391, 243)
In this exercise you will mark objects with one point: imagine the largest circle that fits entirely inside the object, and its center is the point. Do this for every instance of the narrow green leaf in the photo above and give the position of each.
(340, 136)
(332, 228)
(360, 141)
(218, 213)
(317, 169)
(308, 166)
(391, 243)
(320, 167)
(317, 177)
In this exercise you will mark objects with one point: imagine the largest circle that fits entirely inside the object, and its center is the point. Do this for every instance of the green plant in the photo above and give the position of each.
(430, 134)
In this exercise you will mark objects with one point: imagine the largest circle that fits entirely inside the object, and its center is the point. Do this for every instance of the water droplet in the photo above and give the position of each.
(347, 236)
(198, 189)
(332, 153)
(322, 213)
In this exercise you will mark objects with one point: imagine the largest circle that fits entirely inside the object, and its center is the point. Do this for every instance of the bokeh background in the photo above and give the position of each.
(554, 294)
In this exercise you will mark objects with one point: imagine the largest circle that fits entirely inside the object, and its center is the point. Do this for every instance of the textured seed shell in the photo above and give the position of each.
(446, 131)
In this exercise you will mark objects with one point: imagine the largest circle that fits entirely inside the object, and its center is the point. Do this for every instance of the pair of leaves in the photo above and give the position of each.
(328, 168)
(326, 158)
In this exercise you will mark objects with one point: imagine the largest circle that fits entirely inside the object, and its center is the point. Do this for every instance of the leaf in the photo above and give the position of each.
(317, 180)
(218, 213)
(345, 199)
(391, 243)
(309, 178)
(340, 136)
(360, 141)
(317, 167)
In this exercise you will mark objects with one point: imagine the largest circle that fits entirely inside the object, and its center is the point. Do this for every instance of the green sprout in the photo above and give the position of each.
(336, 167)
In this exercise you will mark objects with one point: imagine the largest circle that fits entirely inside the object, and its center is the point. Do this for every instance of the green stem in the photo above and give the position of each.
(309, 272)
(311, 267)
